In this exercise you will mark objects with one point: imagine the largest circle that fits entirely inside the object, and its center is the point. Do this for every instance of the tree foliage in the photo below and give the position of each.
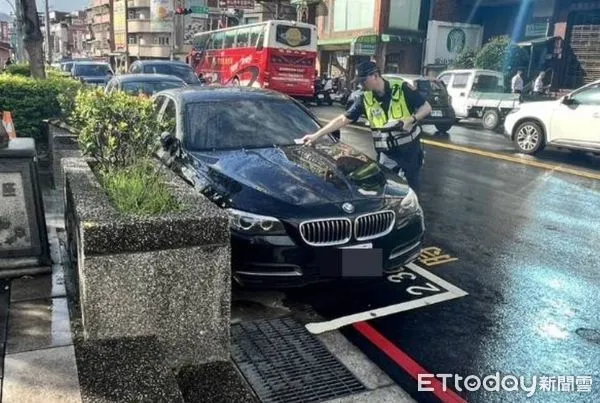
(465, 60)
(500, 54)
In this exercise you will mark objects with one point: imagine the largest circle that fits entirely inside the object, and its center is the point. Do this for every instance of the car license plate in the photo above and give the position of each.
(359, 246)
(437, 114)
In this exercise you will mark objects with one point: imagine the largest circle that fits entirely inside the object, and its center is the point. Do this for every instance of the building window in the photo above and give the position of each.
(161, 40)
(131, 15)
(404, 14)
(132, 40)
(352, 15)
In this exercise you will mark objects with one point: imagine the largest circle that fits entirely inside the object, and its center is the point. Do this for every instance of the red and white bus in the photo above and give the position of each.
(279, 55)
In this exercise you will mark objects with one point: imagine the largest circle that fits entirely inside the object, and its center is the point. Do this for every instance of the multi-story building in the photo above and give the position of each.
(68, 35)
(391, 32)
(100, 19)
(147, 38)
(269, 10)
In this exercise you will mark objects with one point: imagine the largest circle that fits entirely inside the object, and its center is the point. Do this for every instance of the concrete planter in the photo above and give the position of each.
(166, 276)
(62, 143)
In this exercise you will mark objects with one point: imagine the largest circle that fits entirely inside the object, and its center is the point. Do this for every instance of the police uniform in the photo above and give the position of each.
(404, 149)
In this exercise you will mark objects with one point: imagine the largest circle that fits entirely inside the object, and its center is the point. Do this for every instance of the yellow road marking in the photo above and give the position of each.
(510, 158)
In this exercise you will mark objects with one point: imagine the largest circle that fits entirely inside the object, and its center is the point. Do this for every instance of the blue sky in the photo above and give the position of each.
(58, 5)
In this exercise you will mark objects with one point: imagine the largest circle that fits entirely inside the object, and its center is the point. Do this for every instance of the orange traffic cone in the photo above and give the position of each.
(9, 125)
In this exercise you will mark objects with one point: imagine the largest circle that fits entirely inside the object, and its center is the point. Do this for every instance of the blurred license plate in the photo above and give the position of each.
(437, 114)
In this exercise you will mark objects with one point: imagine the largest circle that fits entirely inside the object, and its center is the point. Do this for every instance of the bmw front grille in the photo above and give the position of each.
(326, 232)
(374, 225)
(338, 231)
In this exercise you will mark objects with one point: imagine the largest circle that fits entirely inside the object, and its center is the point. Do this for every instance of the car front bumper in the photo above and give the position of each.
(280, 261)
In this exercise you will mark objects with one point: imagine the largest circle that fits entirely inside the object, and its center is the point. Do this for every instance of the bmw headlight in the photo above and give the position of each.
(255, 224)
(409, 205)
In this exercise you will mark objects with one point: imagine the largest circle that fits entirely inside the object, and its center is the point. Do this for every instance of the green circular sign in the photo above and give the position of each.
(456, 40)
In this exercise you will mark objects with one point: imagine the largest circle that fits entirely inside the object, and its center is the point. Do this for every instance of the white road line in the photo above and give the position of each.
(439, 281)
(452, 293)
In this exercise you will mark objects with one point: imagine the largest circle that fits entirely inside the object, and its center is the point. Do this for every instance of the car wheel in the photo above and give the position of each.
(529, 138)
(491, 119)
(443, 128)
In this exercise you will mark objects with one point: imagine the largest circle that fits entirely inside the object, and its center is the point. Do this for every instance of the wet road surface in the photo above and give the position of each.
(510, 283)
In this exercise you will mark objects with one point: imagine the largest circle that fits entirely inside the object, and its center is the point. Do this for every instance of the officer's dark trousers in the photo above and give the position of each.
(408, 158)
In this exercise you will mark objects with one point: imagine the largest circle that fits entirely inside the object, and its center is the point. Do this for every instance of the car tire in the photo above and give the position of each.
(443, 128)
(491, 119)
(529, 138)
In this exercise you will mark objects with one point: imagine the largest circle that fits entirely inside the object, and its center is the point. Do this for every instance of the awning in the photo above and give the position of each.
(337, 41)
(537, 41)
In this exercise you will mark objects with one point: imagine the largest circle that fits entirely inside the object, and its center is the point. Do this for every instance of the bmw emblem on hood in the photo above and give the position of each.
(348, 208)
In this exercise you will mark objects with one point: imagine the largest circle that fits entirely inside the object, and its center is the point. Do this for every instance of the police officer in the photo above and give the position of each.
(398, 147)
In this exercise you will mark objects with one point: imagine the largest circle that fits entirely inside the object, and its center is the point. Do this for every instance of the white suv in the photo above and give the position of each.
(570, 122)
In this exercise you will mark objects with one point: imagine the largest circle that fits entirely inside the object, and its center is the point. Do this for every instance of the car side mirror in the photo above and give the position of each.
(168, 141)
(566, 100)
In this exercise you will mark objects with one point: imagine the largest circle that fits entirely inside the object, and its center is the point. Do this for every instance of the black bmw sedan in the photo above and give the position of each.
(299, 214)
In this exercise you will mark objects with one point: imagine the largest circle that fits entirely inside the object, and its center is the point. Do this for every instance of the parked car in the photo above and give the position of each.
(479, 94)
(94, 73)
(147, 84)
(174, 68)
(571, 122)
(66, 66)
(294, 209)
(442, 114)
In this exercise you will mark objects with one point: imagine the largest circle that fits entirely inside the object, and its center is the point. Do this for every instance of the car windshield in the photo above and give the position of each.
(92, 70)
(149, 87)
(183, 72)
(245, 124)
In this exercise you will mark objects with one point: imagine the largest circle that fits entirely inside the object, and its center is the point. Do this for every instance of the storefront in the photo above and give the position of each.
(446, 41)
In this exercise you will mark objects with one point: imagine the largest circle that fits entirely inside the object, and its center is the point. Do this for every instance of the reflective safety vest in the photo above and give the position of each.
(377, 118)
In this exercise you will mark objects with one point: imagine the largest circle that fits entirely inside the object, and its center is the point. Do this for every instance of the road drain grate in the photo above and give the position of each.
(283, 362)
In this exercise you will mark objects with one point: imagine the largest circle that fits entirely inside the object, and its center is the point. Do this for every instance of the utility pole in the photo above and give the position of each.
(48, 46)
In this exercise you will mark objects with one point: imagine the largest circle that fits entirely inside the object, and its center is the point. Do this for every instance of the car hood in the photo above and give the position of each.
(299, 175)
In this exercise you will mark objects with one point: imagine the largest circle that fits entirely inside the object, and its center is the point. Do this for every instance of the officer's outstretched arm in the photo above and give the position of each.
(330, 127)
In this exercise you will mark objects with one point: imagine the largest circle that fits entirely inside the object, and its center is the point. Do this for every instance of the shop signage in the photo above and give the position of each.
(364, 45)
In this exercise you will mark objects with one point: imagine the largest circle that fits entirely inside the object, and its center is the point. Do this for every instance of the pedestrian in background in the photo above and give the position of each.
(538, 86)
(517, 84)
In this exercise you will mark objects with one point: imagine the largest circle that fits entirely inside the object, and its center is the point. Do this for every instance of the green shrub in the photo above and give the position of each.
(115, 129)
(30, 101)
(139, 189)
(19, 69)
